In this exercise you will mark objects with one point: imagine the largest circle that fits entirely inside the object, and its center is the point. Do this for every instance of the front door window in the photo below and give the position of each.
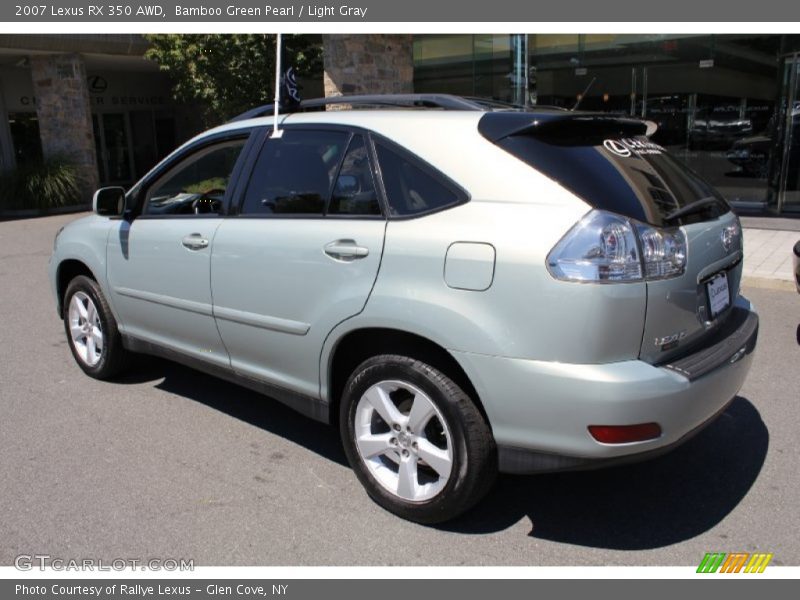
(198, 184)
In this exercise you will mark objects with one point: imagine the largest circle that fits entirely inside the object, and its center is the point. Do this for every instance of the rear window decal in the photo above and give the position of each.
(625, 147)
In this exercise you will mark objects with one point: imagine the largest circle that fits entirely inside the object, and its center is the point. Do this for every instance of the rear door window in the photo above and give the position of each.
(294, 174)
(354, 192)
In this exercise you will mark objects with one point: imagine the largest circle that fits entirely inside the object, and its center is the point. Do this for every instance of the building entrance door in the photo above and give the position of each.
(112, 143)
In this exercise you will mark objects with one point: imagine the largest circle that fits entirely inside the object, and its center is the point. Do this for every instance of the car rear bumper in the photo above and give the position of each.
(540, 411)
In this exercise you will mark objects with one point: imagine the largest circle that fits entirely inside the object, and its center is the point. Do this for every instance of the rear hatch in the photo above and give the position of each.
(613, 166)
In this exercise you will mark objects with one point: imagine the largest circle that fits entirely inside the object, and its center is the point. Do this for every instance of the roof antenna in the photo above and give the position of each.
(574, 108)
(276, 131)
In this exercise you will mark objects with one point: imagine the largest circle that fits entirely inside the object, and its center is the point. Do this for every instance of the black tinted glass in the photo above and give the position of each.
(197, 185)
(294, 173)
(410, 188)
(630, 176)
(354, 192)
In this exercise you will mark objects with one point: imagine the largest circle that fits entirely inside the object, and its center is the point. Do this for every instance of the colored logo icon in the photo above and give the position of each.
(734, 562)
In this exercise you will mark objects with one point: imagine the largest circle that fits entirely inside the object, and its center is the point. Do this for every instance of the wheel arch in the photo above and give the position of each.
(357, 345)
(68, 269)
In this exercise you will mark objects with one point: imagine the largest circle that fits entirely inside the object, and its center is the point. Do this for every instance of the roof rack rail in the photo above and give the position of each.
(443, 101)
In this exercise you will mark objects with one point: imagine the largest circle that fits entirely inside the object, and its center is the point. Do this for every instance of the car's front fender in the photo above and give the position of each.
(84, 241)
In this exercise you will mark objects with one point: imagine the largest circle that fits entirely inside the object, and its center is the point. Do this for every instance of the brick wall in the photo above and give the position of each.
(64, 111)
(368, 64)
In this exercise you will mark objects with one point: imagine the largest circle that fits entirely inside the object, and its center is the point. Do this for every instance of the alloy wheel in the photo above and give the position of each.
(86, 331)
(404, 441)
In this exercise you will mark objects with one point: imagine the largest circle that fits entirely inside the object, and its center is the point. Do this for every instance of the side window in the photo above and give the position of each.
(294, 174)
(410, 188)
(197, 184)
(354, 192)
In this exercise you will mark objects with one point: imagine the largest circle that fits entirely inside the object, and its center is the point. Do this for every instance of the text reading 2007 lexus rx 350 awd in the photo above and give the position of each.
(462, 290)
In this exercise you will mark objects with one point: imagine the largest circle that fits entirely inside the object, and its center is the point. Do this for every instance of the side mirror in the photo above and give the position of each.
(347, 186)
(109, 201)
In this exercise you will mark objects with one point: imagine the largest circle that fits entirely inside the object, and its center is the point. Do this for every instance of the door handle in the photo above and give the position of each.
(346, 250)
(195, 241)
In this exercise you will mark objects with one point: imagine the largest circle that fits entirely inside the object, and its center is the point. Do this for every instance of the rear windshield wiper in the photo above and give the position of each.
(692, 208)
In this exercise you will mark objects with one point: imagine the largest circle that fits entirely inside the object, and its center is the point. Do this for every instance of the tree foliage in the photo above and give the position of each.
(227, 74)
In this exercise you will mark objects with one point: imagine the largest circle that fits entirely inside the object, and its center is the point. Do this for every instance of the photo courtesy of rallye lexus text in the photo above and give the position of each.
(109, 589)
(461, 289)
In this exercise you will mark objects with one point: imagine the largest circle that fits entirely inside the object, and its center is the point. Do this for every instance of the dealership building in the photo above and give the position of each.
(728, 105)
(94, 99)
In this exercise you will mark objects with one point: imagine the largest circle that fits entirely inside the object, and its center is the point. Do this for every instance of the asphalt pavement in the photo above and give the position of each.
(168, 462)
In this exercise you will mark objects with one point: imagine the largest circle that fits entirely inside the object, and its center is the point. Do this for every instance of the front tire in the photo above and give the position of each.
(91, 330)
(416, 441)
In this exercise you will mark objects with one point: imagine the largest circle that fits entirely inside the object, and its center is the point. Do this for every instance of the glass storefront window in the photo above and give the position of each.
(787, 131)
(713, 97)
(467, 65)
(24, 128)
(152, 138)
(125, 152)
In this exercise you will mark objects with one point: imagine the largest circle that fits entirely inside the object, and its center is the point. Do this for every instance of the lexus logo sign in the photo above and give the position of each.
(728, 236)
(97, 84)
(617, 148)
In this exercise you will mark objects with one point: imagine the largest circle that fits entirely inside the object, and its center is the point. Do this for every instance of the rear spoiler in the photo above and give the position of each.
(561, 125)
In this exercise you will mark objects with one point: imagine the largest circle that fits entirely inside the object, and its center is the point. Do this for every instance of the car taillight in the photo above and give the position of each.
(663, 251)
(606, 248)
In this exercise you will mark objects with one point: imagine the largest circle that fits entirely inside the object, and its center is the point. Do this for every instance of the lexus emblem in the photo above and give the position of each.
(728, 235)
(97, 84)
(617, 148)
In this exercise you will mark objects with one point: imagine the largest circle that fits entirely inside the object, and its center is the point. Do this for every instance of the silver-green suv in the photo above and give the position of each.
(462, 289)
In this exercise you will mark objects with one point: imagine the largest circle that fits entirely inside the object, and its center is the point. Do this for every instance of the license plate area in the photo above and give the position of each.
(718, 294)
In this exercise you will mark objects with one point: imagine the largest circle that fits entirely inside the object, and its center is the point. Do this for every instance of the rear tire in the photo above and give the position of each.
(91, 330)
(416, 441)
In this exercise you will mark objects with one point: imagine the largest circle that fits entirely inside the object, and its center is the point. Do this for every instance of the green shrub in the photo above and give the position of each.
(207, 185)
(48, 184)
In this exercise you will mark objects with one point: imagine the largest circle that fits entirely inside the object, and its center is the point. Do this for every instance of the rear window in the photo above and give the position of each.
(630, 176)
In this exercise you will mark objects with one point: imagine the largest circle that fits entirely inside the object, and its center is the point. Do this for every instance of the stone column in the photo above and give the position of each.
(368, 64)
(65, 116)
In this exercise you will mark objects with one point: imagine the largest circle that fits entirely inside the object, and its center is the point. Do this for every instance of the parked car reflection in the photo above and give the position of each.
(717, 128)
(751, 153)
